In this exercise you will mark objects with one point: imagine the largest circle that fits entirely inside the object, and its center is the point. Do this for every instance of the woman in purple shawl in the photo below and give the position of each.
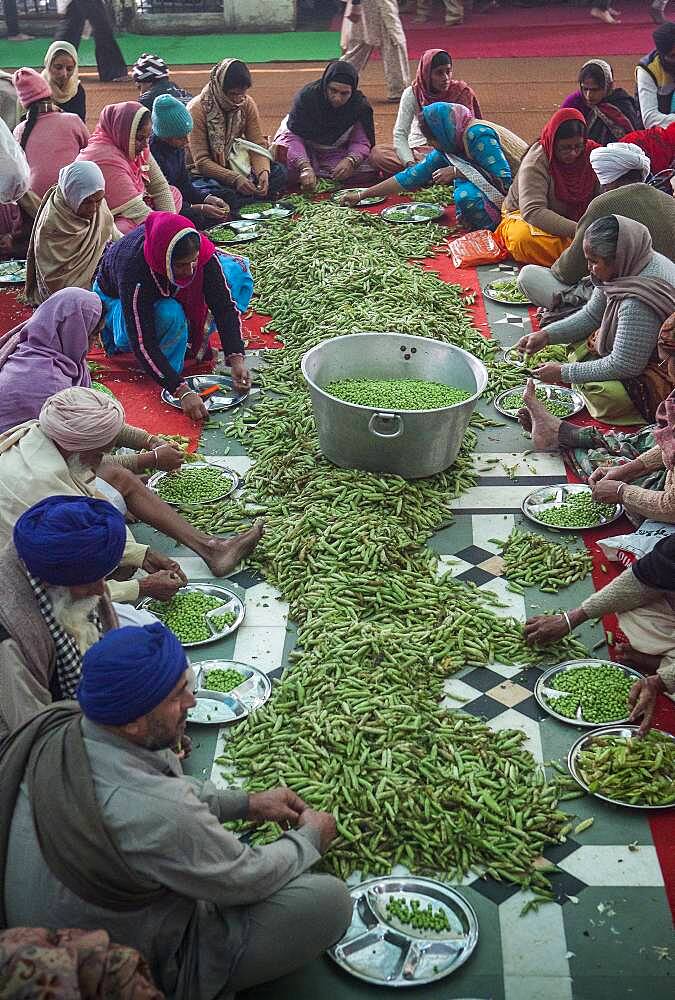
(47, 353)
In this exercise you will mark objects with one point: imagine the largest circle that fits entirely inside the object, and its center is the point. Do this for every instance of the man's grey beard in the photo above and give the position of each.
(73, 616)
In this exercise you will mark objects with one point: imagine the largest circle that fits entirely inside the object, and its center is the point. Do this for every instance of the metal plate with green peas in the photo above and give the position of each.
(226, 235)
(381, 949)
(587, 697)
(506, 291)
(267, 211)
(247, 695)
(12, 272)
(362, 201)
(558, 399)
(608, 737)
(224, 399)
(183, 486)
(552, 352)
(416, 211)
(568, 507)
(189, 619)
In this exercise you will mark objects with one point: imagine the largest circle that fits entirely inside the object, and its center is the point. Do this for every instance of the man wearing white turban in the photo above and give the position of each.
(60, 454)
(622, 169)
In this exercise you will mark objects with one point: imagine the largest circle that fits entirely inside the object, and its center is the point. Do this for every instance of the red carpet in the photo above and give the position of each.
(551, 30)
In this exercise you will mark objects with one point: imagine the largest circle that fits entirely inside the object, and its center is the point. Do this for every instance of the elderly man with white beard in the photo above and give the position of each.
(54, 602)
(61, 452)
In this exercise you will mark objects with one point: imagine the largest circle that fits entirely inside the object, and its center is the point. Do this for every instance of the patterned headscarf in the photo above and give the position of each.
(448, 123)
(224, 120)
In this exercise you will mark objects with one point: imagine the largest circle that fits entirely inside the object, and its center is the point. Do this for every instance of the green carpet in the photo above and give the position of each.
(185, 50)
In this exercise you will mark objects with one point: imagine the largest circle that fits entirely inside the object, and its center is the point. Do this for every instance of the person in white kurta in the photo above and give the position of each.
(376, 24)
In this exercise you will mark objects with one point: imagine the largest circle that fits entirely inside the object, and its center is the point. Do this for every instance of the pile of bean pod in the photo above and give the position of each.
(223, 680)
(184, 614)
(531, 560)
(552, 352)
(421, 918)
(437, 194)
(635, 771)
(601, 691)
(192, 486)
(355, 724)
(396, 393)
(559, 407)
(578, 510)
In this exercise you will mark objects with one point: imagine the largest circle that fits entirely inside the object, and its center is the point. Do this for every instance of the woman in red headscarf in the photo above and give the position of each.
(550, 192)
(159, 284)
(434, 82)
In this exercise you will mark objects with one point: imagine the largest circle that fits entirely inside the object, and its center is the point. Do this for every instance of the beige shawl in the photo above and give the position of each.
(224, 120)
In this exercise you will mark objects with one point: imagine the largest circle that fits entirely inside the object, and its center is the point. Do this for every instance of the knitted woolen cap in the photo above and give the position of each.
(31, 86)
(170, 117)
(149, 67)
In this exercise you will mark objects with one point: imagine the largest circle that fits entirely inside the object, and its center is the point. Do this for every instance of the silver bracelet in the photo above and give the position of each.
(187, 393)
(567, 619)
(154, 454)
(620, 488)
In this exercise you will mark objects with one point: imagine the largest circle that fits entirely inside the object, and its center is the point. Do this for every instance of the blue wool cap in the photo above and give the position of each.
(129, 672)
(170, 117)
(69, 541)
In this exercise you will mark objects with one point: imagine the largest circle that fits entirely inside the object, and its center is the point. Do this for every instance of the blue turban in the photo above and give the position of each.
(70, 541)
(129, 672)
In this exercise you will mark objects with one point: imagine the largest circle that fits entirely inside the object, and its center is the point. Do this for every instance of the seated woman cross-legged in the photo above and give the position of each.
(466, 152)
(329, 132)
(72, 228)
(158, 285)
(614, 361)
(551, 191)
(609, 111)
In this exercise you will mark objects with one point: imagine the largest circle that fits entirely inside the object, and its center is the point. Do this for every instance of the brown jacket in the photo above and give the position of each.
(200, 147)
(532, 194)
(27, 654)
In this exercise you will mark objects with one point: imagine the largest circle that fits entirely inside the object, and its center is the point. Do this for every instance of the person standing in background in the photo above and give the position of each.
(109, 59)
(454, 11)
(14, 32)
(376, 24)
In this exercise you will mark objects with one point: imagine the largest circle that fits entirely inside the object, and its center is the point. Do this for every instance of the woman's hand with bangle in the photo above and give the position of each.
(307, 178)
(607, 490)
(191, 403)
(343, 170)
(244, 185)
(263, 184)
(542, 630)
(167, 457)
(241, 379)
(625, 473)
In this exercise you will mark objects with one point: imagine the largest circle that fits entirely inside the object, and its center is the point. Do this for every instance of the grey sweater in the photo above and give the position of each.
(636, 335)
(654, 209)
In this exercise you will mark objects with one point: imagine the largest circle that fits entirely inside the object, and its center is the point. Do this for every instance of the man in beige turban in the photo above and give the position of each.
(61, 454)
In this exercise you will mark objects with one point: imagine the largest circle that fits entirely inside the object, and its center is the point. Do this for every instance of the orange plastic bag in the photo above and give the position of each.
(476, 248)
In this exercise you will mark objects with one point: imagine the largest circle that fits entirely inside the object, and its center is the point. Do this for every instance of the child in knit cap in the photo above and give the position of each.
(171, 125)
(151, 75)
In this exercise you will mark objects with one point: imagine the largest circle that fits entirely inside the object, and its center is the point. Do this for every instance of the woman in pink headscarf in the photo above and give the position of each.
(134, 183)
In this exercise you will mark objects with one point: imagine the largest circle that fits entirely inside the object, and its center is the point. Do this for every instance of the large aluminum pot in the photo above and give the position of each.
(408, 443)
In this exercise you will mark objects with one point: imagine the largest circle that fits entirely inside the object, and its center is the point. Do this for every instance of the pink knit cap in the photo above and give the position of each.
(31, 86)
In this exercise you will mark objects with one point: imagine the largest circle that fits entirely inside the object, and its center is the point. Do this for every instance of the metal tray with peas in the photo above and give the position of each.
(265, 211)
(338, 195)
(216, 391)
(12, 272)
(506, 291)
(227, 234)
(199, 613)
(568, 507)
(558, 400)
(416, 211)
(614, 765)
(227, 691)
(587, 693)
(195, 483)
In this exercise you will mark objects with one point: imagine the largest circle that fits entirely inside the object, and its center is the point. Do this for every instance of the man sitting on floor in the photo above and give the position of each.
(99, 829)
(621, 169)
(54, 603)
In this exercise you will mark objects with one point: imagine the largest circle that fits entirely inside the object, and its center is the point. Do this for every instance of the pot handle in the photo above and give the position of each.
(386, 416)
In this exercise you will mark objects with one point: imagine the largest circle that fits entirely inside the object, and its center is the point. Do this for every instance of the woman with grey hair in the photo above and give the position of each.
(613, 361)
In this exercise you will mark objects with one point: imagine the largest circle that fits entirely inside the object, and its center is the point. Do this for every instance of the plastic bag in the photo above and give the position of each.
(626, 549)
(476, 248)
(14, 169)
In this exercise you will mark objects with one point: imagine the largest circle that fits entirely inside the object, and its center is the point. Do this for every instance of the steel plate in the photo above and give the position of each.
(412, 212)
(231, 481)
(559, 393)
(548, 705)
(380, 950)
(254, 690)
(492, 293)
(547, 497)
(12, 272)
(584, 741)
(231, 602)
(362, 203)
(275, 211)
(226, 235)
(219, 401)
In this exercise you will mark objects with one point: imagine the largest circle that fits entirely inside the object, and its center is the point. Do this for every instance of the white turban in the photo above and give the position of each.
(80, 180)
(80, 419)
(612, 161)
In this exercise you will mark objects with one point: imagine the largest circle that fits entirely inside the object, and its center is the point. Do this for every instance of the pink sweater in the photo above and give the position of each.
(55, 142)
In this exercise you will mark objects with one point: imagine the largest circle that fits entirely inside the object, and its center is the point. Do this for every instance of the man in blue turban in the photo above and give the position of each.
(108, 833)
(54, 602)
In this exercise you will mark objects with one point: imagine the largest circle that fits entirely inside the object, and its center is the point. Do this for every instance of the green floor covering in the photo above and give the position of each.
(187, 50)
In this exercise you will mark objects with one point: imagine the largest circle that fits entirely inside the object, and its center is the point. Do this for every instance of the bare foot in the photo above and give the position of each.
(544, 425)
(603, 15)
(222, 555)
(21, 37)
(647, 663)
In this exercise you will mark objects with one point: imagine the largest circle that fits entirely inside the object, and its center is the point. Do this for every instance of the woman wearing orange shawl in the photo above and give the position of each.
(550, 192)
(433, 82)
